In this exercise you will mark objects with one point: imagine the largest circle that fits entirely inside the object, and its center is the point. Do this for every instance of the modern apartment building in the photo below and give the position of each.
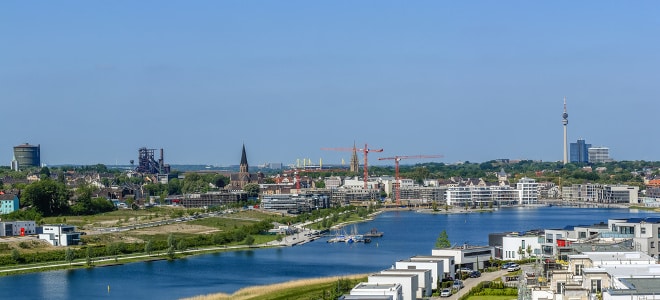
(526, 192)
(599, 155)
(615, 194)
(60, 235)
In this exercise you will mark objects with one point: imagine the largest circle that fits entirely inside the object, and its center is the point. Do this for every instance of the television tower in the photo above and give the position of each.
(565, 122)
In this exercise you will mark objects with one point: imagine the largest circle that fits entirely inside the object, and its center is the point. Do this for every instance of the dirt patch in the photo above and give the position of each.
(178, 227)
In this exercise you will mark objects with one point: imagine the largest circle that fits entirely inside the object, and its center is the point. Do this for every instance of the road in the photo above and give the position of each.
(472, 282)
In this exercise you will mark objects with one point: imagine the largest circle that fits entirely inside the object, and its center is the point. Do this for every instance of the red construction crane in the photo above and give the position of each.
(397, 181)
(365, 151)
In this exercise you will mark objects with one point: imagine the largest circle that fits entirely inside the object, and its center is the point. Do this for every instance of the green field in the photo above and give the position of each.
(493, 298)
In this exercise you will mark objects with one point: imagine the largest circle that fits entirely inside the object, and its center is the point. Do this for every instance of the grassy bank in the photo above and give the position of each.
(316, 288)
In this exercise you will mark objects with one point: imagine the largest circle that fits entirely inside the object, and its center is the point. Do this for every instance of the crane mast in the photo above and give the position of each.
(397, 178)
(364, 151)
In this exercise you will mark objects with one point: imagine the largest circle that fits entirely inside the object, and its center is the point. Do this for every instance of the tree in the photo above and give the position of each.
(249, 240)
(529, 250)
(319, 184)
(521, 251)
(15, 255)
(170, 240)
(443, 240)
(434, 206)
(181, 245)
(252, 189)
(44, 173)
(149, 247)
(69, 255)
(47, 196)
(170, 252)
(88, 257)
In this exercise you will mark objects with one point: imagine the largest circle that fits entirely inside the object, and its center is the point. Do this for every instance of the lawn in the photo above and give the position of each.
(493, 298)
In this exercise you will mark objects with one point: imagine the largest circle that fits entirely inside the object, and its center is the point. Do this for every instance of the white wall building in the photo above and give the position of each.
(408, 283)
(528, 191)
(513, 245)
(424, 279)
(435, 265)
(363, 290)
(448, 264)
(472, 257)
(60, 235)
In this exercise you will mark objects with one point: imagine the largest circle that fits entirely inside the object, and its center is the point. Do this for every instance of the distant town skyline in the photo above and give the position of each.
(92, 82)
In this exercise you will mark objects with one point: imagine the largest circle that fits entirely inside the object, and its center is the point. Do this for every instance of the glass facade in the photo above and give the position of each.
(580, 152)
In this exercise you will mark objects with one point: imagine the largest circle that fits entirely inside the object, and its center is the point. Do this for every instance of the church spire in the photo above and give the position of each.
(354, 165)
(244, 163)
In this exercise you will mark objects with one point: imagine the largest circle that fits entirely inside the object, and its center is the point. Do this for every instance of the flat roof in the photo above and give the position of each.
(614, 256)
(391, 275)
(644, 286)
(626, 271)
(406, 270)
(376, 286)
(439, 257)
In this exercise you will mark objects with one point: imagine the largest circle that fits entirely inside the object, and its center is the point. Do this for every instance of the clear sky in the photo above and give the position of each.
(93, 81)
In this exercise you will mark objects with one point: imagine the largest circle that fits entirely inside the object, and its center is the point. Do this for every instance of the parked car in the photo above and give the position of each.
(507, 265)
(475, 274)
(513, 267)
(457, 285)
(445, 293)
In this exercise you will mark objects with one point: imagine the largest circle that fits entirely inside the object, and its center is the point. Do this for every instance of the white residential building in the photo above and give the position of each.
(611, 273)
(363, 290)
(60, 235)
(448, 268)
(528, 191)
(615, 194)
(424, 279)
(472, 257)
(517, 247)
(435, 265)
(408, 283)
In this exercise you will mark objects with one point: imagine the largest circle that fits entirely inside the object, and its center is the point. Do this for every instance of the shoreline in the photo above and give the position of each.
(258, 291)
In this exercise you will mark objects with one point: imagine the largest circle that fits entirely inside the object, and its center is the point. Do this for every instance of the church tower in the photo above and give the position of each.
(355, 165)
(244, 163)
(243, 173)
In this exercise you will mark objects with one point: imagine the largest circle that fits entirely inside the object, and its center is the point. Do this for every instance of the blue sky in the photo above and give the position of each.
(93, 81)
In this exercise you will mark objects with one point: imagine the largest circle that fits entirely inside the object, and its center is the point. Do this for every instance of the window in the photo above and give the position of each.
(560, 287)
(595, 286)
(583, 235)
(643, 230)
(652, 244)
(578, 269)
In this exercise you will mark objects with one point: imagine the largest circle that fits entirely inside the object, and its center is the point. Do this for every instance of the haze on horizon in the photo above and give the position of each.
(93, 81)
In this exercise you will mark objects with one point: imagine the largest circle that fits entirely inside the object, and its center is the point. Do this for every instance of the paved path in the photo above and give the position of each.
(472, 282)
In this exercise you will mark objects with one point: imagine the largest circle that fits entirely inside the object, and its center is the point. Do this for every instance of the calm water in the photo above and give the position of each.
(406, 234)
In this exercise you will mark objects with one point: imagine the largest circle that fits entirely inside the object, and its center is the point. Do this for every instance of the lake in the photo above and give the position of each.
(406, 234)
